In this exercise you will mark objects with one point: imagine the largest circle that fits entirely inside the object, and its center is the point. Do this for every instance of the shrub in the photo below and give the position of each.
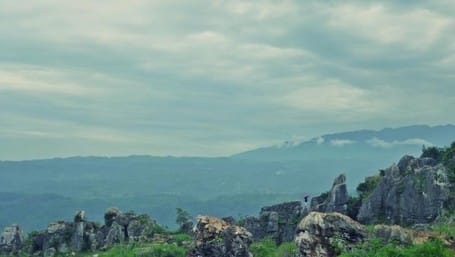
(268, 248)
(374, 248)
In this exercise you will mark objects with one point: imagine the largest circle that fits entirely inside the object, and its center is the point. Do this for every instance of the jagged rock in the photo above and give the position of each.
(115, 235)
(140, 227)
(336, 200)
(80, 216)
(216, 238)
(277, 222)
(411, 192)
(12, 240)
(110, 215)
(324, 234)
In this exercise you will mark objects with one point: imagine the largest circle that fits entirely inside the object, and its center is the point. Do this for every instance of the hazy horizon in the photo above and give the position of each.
(116, 78)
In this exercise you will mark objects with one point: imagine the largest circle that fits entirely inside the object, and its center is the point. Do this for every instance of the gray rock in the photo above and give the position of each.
(216, 238)
(50, 252)
(336, 200)
(11, 240)
(326, 234)
(277, 222)
(110, 215)
(394, 234)
(140, 228)
(411, 192)
(115, 235)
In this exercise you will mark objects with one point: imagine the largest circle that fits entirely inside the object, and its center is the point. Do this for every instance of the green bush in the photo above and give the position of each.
(264, 248)
(153, 250)
(180, 238)
(374, 248)
(268, 248)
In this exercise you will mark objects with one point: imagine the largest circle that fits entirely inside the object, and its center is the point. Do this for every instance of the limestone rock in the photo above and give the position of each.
(336, 200)
(394, 233)
(411, 192)
(277, 222)
(63, 237)
(110, 215)
(11, 240)
(325, 234)
(216, 238)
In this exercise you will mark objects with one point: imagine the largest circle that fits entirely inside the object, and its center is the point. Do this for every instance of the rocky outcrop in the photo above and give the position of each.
(64, 237)
(216, 238)
(327, 234)
(11, 240)
(80, 235)
(277, 222)
(336, 200)
(410, 192)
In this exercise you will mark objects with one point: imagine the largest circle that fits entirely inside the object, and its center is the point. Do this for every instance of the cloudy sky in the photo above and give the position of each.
(213, 77)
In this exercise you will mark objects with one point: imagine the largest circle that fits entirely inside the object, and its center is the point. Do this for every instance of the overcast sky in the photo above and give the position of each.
(210, 78)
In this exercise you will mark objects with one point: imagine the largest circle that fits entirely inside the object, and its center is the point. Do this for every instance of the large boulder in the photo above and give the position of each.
(125, 227)
(216, 238)
(336, 200)
(11, 240)
(327, 234)
(277, 222)
(411, 192)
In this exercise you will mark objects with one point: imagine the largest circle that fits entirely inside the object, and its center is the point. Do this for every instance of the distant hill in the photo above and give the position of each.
(33, 193)
(384, 144)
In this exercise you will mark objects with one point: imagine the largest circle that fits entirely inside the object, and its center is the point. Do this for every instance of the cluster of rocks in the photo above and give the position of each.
(11, 240)
(62, 237)
(277, 222)
(411, 192)
(216, 238)
(328, 234)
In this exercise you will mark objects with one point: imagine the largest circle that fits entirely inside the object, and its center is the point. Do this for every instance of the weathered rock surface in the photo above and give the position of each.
(277, 222)
(336, 200)
(216, 238)
(410, 192)
(394, 233)
(325, 234)
(63, 237)
(11, 240)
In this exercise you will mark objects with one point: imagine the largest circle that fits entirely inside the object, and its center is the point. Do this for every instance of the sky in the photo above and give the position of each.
(214, 78)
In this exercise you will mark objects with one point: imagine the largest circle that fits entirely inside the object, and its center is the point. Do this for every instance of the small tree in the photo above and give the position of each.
(184, 220)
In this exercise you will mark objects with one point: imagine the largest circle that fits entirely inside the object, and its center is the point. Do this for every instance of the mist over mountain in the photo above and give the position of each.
(383, 144)
(36, 192)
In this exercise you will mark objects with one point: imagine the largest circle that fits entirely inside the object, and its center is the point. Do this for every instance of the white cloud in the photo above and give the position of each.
(414, 27)
(341, 142)
(329, 96)
(30, 79)
(376, 142)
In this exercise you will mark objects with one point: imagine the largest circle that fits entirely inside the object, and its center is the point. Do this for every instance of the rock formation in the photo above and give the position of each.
(11, 240)
(81, 235)
(395, 234)
(327, 234)
(410, 192)
(277, 222)
(336, 200)
(216, 238)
